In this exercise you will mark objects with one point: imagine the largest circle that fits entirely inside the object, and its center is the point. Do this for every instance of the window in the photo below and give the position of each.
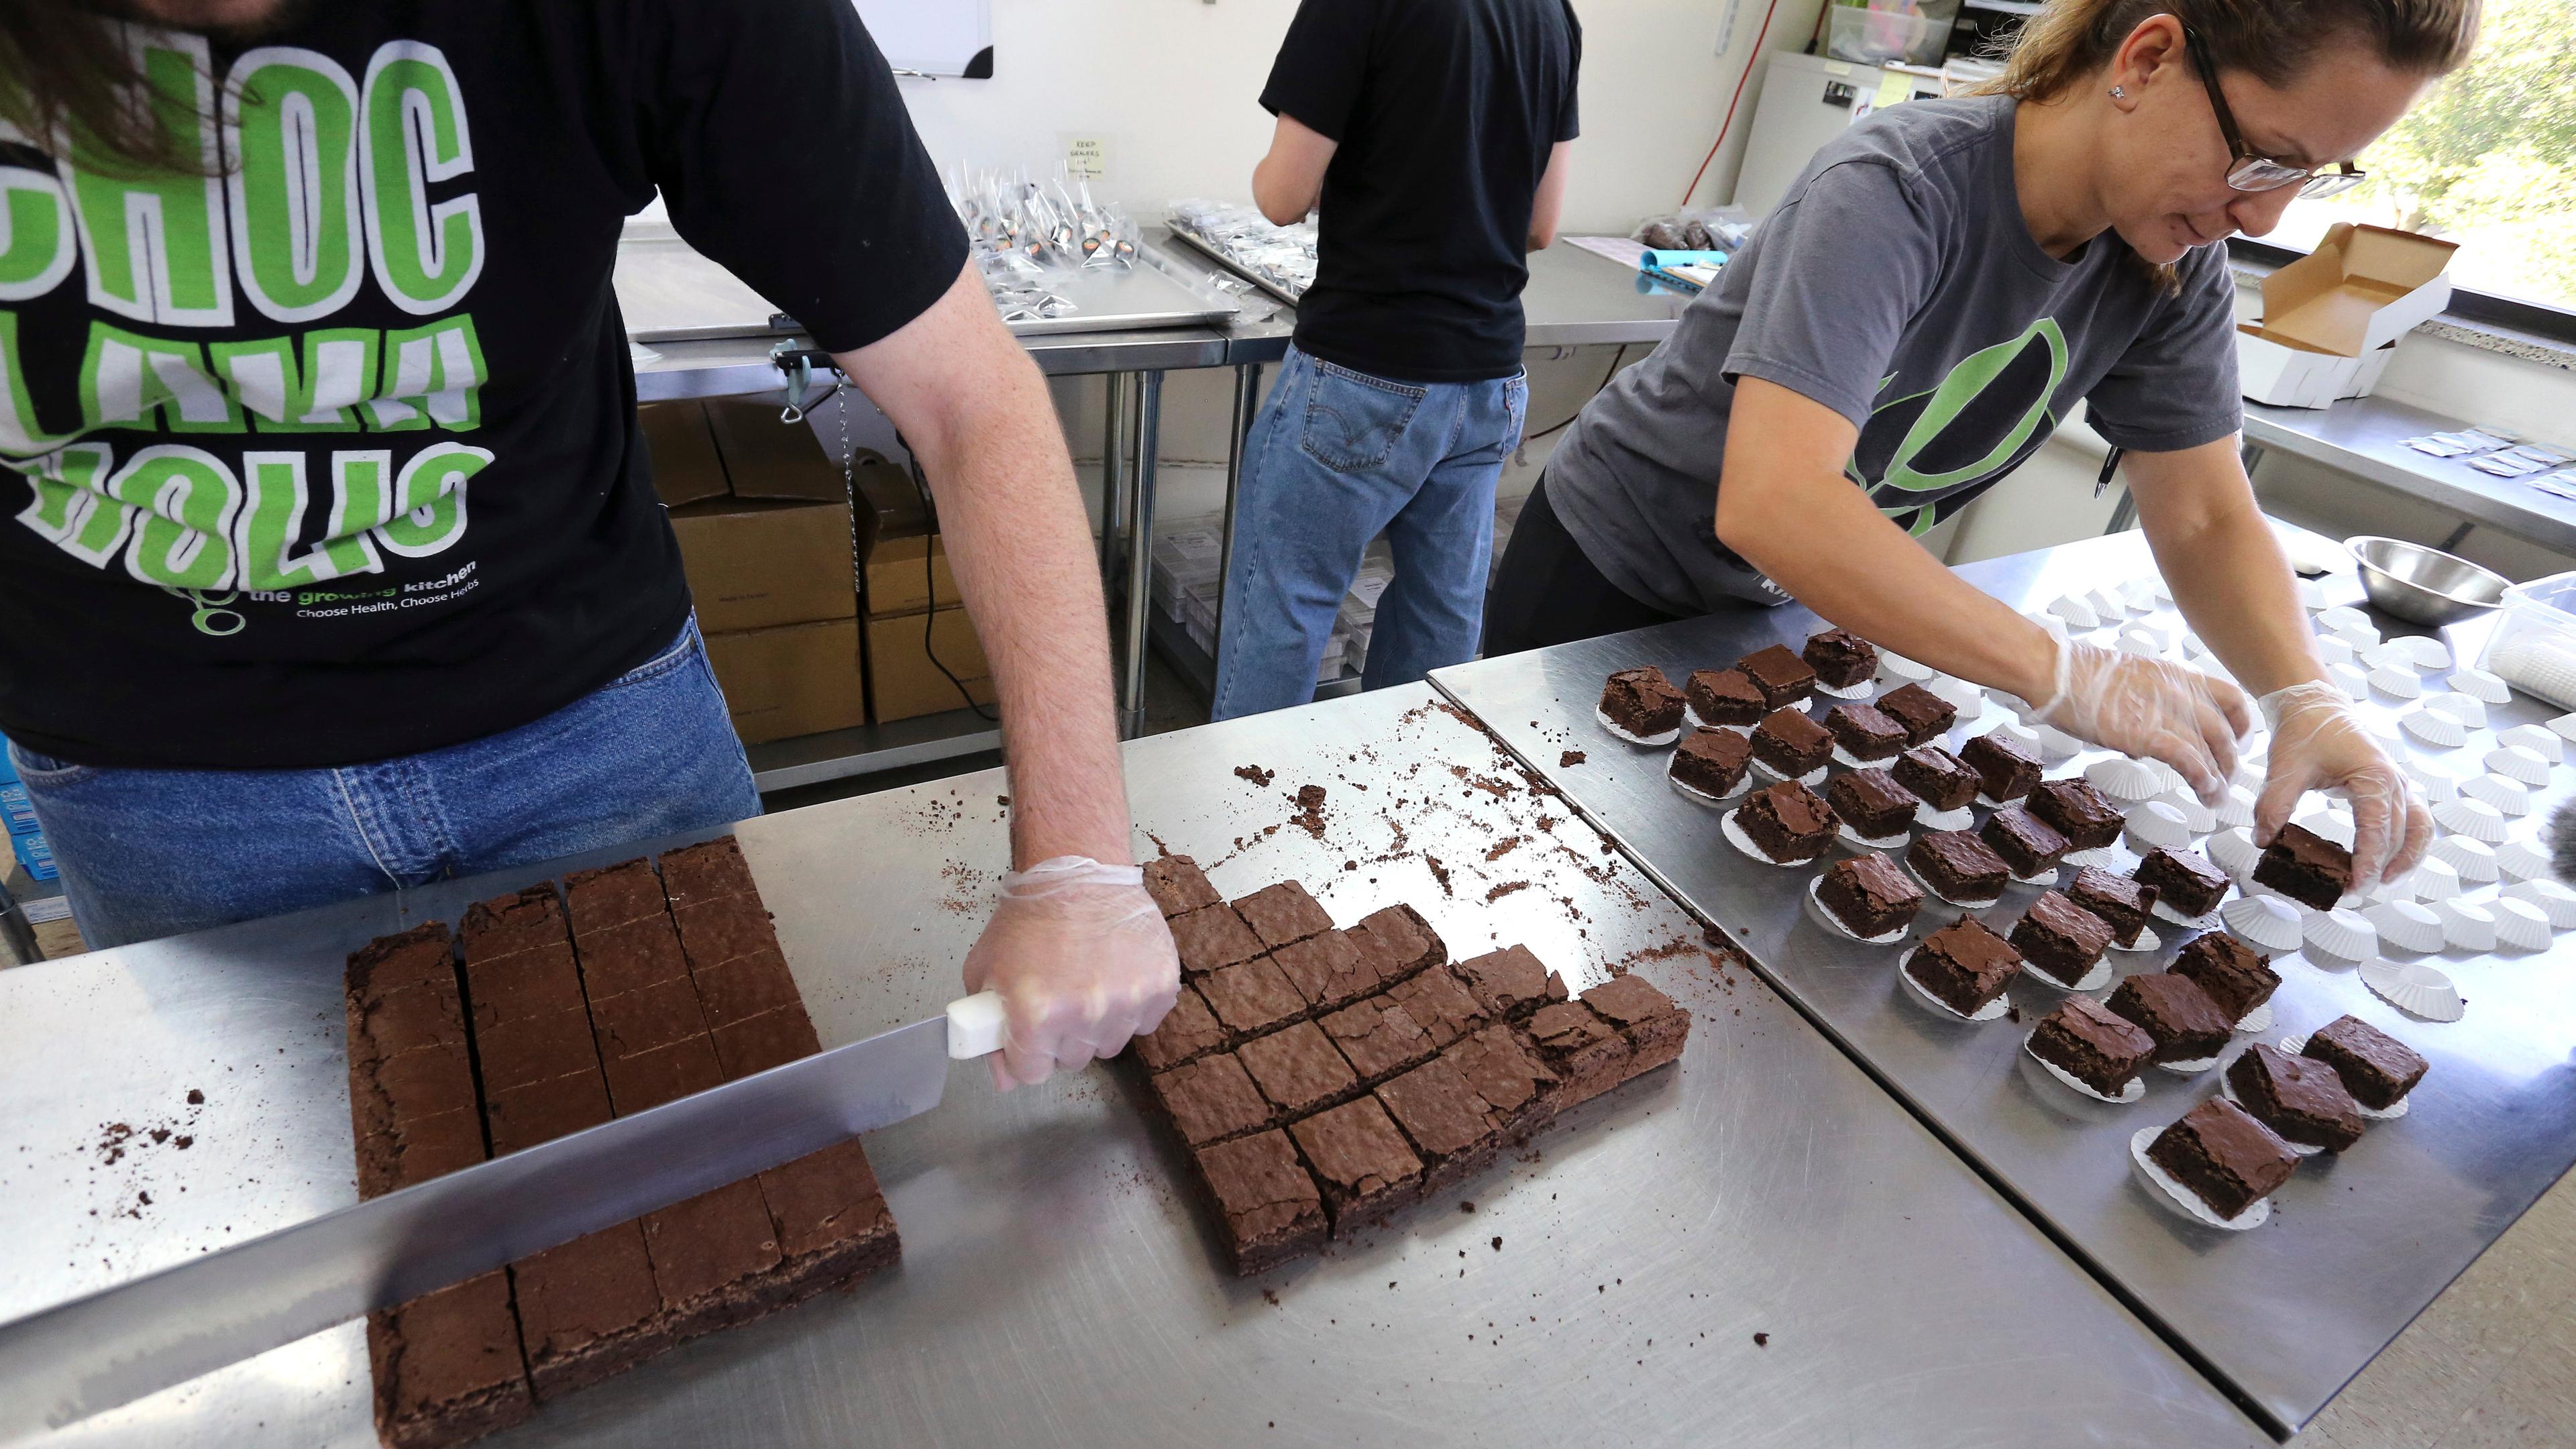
(2487, 159)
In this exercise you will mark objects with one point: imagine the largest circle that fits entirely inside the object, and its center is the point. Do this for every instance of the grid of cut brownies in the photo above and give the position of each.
(632, 988)
(1322, 1078)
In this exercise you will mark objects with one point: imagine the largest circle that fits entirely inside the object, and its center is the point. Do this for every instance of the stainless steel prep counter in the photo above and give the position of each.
(2366, 437)
(2358, 1245)
(1058, 1285)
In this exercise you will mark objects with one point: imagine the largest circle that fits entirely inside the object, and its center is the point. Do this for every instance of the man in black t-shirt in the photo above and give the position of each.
(1435, 134)
(329, 557)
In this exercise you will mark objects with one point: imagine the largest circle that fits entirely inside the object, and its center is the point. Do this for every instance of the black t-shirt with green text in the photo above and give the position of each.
(328, 454)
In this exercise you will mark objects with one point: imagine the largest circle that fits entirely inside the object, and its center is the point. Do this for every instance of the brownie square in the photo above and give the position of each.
(448, 1365)
(625, 957)
(2122, 903)
(534, 1048)
(1788, 821)
(588, 1309)
(704, 1249)
(825, 1201)
(2226, 1158)
(2028, 844)
(2299, 1097)
(418, 1150)
(632, 1023)
(1582, 1048)
(1362, 1162)
(1869, 895)
(612, 896)
(1864, 733)
(2183, 879)
(422, 1082)
(1511, 1079)
(1958, 865)
(429, 1014)
(1396, 942)
(1178, 887)
(1271, 1209)
(710, 870)
(1327, 970)
(543, 1111)
(1724, 697)
(757, 1043)
(665, 1074)
(1937, 777)
(521, 921)
(2081, 813)
(1297, 1069)
(2088, 1042)
(2005, 770)
(1253, 997)
(1189, 1031)
(390, 963)
(2306, 867)
(2376, 1068)
(1211, 939)
(536, 982)
(1654, 1026)
(2235, 975)
(1282, 914)
(1872, 803)
(1964, 965)
(2187, 1025)
(1783, 677)
(1452, 1130)
(1840, 658)
(1791, 743)
(1212, 1098)
(726, 929)
(1642, 702)
(1378, 1038)
(1712, 761)
(745, 987)
(2060, 939)
(1439, 1003)
(1510, 983)
(1925, 716)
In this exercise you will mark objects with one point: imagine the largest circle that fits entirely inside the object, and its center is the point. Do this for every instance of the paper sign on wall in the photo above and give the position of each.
(1086, 158)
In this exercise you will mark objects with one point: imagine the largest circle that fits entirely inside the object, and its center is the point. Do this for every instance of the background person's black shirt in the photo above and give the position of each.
(1445, 112)
(297, 475)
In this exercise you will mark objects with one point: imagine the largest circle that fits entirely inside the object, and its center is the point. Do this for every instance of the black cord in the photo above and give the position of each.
(1616, 363)
(930, 581)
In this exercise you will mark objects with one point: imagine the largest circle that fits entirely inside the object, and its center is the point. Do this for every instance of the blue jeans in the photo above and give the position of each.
(151, 853)
(1335, 458)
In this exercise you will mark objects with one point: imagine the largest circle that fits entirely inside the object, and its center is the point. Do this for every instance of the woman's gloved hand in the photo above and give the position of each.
(2150, 708)
(1082, 960)
(2318, 743)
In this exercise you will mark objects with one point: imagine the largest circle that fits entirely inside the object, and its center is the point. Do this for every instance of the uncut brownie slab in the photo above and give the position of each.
(2081, 813)
(1724, 697)
(2235, 975)
(1711, 761)
(1964, 964)
(2306, 867)
(1791, 743)
(1864, 733)
(2376, 1068)
(1788, 821)
(2187, 1025)
(1840, 658)
(2005, 770)
(1872, 803)
(2225, 1157)
(2060, 939)
(2090, 1043)
(1925, 716)
(1937, 777)
(2029, 845)
(1642, 702)
(1958, 865)
(2122, 903)
(2183, 879)
(1783, 677)
(2299, 1097)
(1869, 895)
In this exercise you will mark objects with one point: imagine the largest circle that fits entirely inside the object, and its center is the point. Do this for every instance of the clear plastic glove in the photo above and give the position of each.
(2318, 743)
(2148, 707)
(1082, 960)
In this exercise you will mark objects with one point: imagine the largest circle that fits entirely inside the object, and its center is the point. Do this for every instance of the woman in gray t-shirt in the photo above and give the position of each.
(1942, 285)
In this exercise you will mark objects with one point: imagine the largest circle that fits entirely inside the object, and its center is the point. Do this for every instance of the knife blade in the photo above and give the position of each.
(93, 1353)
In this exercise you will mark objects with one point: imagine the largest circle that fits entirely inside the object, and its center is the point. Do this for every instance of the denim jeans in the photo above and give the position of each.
(1335, 458)
(150, 853)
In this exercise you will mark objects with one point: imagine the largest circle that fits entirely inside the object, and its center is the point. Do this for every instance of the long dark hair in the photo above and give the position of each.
(66, 69)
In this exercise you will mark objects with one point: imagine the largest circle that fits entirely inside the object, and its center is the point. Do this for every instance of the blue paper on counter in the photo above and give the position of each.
(1659, 259)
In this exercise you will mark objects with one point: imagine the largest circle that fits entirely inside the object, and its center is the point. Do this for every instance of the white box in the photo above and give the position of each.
(2332, 319)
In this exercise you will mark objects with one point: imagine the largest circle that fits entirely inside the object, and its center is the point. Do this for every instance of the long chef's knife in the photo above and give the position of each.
(92, 1354)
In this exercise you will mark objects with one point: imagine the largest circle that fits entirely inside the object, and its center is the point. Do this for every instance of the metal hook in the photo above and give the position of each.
(798, 364)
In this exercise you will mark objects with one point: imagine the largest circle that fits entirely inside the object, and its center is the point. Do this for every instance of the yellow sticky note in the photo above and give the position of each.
(1893, 87)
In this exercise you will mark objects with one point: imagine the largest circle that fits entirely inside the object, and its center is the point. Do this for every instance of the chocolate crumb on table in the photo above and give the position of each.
(2306, 867)
(1725, 697)
(2224, 1156)
(1925, 716)
(1783, 677)
(1642, 702)
(2376, 1068)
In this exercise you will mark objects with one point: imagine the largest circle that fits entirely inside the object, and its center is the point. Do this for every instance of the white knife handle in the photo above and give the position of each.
(976, 1025)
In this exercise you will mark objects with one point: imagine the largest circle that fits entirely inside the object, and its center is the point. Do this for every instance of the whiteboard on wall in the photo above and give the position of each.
(933, 37)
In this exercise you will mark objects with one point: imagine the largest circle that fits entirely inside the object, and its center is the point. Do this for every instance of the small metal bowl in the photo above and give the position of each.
(2424, 585)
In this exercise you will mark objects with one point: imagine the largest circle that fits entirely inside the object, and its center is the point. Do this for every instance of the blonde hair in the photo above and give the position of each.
(2069, 41)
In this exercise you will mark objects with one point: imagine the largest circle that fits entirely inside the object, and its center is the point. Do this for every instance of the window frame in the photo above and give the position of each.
(2540, 319)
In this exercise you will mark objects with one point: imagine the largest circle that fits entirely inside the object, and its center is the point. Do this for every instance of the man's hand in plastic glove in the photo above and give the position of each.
(2318, 743)
(1083, 961)
(2148, 707)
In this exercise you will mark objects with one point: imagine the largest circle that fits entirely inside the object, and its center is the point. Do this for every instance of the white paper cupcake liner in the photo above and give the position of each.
(2102, 857)
(2388, 654)
(2162, 1187)
(2521, 860)
(1901, 669)
(1736, 837)
(1691, 720)
(2074, 612)
(2296, 1044)
(2147, 940)
(1811, 779)
(1862, 690)
(2123, 779)
(2342, 616)
(2157, 824)
(1931, 819)
(2346, 935)
(2557, 901)
(2270, 924)
(1850, 761)
(2425, 651)
(2406, 925)
(2518, 762)
(2257, 1020)
(2207, 921)
(2233, 850)
(2335, 651)
(1935, 892)
(2415, 988)
(2396, 682)
(2537, 739)
(2197, 819)
(2227, 1089)
(2095, 977)
(1985, 799)
(2473, 859)
(2235, 809)
(2041, 1069)
(2312, 596)
(2479, 685)
(2042, 880)
(1825, 916)
(2437, 785)
(2191, 1068)
(2510, 798)
(1647, 741)
(1991, 1011)
(2468, 710)
(2520, 925)
(2333, 824)
(1743, 785)
(1854, 838)
(2466, 927)
(2564, 726)
(2433, 879)
(2429, 725)
(2056, 744)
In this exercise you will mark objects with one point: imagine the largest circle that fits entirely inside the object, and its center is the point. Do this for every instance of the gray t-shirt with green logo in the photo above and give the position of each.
(1898, 285)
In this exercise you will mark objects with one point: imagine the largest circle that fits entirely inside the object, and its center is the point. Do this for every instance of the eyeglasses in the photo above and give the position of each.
(2250, 172)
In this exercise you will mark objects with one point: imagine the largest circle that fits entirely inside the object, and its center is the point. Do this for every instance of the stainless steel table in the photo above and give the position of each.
(1058, 1285)
(2284, 1314)
(2365, 437)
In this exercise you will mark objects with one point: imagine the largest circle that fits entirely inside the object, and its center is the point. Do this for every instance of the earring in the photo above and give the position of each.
(2119, 93)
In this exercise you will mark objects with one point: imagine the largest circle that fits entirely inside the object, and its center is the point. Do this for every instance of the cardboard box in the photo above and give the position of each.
(762, 516)
(903, 683)
(798, 679)
(899, 583)
(2332, 319)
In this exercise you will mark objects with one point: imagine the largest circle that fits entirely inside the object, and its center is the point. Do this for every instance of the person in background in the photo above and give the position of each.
(1938, 289)
(1435, 133)
(330, 562)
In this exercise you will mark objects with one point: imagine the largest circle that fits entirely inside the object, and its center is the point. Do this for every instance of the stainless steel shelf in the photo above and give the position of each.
(2366, 437)
(870, 749)
(1199, 667)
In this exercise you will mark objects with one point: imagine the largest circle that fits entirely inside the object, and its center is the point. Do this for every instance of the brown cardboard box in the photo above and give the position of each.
(800, 679)
(899, 584)
(903, 683)
(760, 513)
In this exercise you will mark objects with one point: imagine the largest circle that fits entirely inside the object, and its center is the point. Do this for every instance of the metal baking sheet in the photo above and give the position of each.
(1059, 1285)
(2285, 1314)
(1234, 268)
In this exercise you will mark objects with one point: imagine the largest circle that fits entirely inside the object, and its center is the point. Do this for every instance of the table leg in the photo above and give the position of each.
(1247, 401)
(1113, 474)
(1140, 551)
(2124, 514)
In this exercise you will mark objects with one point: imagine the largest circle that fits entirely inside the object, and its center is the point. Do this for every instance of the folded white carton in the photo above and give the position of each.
(2332, 319)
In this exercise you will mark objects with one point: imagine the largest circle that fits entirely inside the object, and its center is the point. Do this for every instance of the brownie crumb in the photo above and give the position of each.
(183, 1143)
(1311, 796)
(196, 1098)
(1256, 775)
(1569, 759)
(1498, 1242)
(1761, 1340)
